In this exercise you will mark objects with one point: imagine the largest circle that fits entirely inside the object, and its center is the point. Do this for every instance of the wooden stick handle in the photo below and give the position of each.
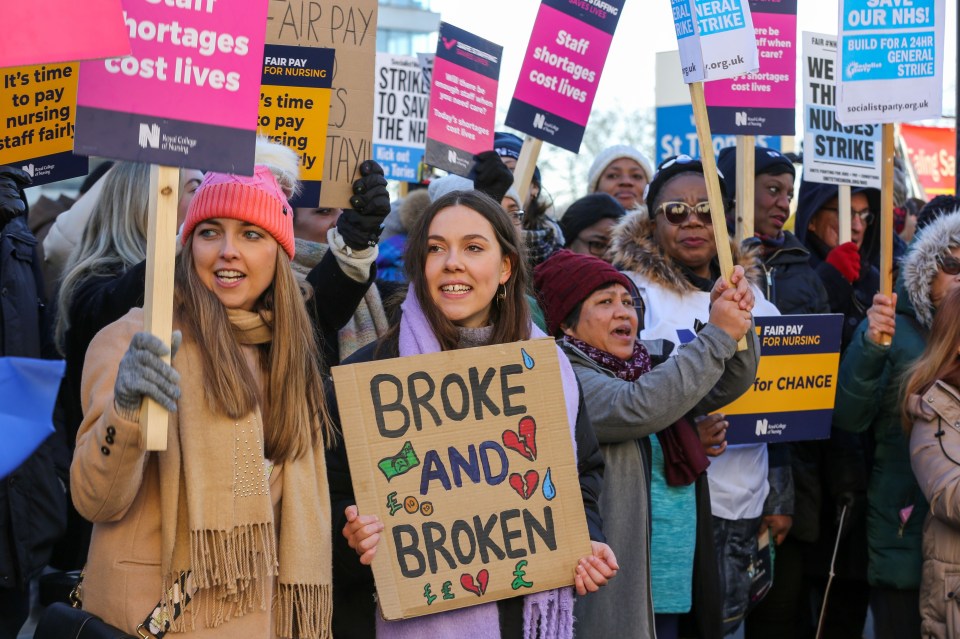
(158, 294)
(843, 211)
(526, 165)
(886, 219)
(714, 195)
(746, 180)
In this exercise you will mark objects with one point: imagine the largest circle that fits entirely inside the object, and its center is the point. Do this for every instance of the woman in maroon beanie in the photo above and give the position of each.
(633, 389)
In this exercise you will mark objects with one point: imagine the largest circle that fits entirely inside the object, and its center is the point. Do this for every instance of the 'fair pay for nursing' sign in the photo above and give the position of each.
(891, 60)
(833, 153)
(793, 395)
(715, 38)
(466, 457)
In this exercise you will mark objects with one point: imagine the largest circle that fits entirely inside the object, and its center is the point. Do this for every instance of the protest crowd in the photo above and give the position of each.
(255, 518)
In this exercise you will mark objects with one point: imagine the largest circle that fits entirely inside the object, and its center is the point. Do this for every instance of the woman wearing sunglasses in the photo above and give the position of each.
(868, 400)
(671, 256)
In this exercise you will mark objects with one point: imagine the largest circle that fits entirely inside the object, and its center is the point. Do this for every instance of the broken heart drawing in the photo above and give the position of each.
(477, 586)
(525, 486)
(524, 439)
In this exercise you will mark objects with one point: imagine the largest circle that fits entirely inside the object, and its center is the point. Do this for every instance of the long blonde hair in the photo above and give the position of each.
(292, 402)
(940, 359)
(114, 239)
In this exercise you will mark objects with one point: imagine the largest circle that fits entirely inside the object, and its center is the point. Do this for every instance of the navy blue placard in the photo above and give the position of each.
(469, 51)
(55, 167)
(549, 127)
(781, 427)
(301, 66)
(164, 141)
(752, 120)
(795, 333)
(773, 6)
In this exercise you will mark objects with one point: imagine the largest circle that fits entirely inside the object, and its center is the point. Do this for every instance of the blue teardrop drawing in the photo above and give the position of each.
(549, 490)
(527, 360)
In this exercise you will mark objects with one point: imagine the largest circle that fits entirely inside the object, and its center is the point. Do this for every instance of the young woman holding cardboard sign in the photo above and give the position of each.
(204, 518)
(468, 288)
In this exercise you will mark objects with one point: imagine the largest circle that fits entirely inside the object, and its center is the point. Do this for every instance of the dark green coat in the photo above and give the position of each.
(868, 399)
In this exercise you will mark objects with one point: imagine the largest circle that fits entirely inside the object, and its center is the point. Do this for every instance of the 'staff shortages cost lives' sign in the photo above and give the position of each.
(466, 456)
(187, 95)
(561, 70)
(793, 395)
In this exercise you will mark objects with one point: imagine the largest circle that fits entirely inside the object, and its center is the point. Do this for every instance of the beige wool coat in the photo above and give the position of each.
(116, 484)
(938, 411)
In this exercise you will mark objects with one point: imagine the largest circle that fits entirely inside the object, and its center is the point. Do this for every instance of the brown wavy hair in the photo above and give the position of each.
(291, 400)
(940, 359)
(510, 316)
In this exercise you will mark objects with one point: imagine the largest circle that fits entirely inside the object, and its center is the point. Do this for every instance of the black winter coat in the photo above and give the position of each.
(790, 283)
(33, 501)
(354, 606)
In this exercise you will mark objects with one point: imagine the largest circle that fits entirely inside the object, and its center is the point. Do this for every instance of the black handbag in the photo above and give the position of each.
(63, 621)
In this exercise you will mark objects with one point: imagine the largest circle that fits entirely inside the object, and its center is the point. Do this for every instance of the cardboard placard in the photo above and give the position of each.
(187, 95)
(350, 27)
(932, 151)
(762, 102)
(36, 129)
(463, 99)
(561, 70)
(62, 31)
(466, 457)
(676, 131)
(793, 395)
(400, 116)
(715, 38)
(295, 106)
(890, 60)
(832, 152)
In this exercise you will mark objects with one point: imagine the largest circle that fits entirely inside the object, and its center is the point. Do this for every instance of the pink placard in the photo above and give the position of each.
(773, 86)
(457, 120)
(562, 79)
(61, 31)
(200, 64)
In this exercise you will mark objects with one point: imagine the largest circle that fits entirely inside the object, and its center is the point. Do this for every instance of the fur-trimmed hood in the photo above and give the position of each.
(920, 265)
(634, 249)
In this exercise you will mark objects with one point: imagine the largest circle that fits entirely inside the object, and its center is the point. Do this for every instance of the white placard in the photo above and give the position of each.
(715, 38)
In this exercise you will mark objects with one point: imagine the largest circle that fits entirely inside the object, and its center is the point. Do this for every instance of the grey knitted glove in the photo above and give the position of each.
(143, 373)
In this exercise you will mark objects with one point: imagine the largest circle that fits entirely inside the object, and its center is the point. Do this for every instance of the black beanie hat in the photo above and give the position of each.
(587, 211)
(672, 167)
(765, 161)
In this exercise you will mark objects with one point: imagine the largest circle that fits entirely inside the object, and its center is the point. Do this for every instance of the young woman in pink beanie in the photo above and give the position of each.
(228, 529)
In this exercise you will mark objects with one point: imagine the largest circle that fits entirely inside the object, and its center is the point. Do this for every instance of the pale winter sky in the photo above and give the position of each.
(627, 84)
(645, 28)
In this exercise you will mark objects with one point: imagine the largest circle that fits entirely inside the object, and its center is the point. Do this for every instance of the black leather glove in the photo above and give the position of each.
(491, 176)
(12, 180)
(360, 226)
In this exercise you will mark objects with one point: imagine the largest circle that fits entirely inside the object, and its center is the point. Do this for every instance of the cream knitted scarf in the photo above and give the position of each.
(218, 516)
(369, 321)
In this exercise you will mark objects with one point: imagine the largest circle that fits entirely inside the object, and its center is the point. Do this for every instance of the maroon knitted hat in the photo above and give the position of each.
(566, 279)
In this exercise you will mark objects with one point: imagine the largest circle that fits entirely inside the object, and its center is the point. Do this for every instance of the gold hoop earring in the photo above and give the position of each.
(502, 295)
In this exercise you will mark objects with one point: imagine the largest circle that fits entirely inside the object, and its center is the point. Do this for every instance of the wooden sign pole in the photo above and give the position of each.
(843, 211)
(526, 164)
(714, 195)
(886, 219)
(746, 181)
(158, 294)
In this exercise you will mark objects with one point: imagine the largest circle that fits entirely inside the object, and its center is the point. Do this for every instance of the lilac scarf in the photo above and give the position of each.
(548, 614)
